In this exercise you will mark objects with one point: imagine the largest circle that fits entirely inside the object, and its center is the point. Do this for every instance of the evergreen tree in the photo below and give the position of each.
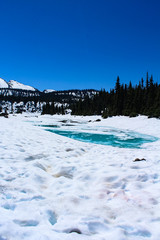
(147, 81)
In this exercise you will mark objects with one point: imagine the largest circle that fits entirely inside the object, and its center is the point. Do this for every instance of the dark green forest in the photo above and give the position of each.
(127, 100)
(52, 109)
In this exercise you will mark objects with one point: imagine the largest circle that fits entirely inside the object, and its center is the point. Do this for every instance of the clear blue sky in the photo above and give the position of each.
(68, 44)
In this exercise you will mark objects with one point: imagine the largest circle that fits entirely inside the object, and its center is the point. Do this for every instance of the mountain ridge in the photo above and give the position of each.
(3, 83)
(17, 85)
(13, 84)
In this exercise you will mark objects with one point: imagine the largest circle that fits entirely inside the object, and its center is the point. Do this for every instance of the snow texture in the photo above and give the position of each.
(49, 90)
(3, 83)
(53, 187)
(16, 85)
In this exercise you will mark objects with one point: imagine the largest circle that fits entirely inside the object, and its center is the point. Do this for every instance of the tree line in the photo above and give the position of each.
(127, 100)
(52, 108)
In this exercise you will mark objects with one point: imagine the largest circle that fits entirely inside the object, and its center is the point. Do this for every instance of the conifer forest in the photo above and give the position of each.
(127, 100)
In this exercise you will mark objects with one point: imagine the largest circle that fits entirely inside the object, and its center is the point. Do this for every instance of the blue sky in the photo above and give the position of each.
(69, 44)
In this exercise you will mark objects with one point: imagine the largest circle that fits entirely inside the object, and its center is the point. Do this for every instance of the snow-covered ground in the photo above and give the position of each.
(52, 187)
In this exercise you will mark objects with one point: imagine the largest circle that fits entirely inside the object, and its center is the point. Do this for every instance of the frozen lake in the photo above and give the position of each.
(100, 135)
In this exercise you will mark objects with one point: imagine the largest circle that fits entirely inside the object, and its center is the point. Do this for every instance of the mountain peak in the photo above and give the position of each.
(3, 83)
(49, 90)
(17, 85)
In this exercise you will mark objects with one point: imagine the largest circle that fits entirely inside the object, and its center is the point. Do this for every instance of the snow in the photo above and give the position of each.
(16, 85)
(49, 90)
(21, 106)
(3, 83)
(53, 187)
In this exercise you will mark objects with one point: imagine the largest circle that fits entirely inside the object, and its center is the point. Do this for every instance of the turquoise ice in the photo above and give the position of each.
(109, 136)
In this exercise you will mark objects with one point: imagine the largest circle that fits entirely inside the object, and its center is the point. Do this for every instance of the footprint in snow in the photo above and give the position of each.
(66, 172)
(51, 217)
(9, 206)
(2, 238)
(26, 223)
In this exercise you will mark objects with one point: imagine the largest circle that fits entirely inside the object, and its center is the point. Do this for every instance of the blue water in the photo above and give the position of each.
(112, 137)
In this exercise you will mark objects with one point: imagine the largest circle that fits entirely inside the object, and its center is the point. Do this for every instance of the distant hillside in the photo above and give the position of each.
(48, 90)
(13, 93)
(3, 83)
(16, 85)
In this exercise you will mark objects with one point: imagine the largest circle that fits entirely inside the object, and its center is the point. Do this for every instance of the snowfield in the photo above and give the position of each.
(14, 84)
(56, 188)
(49, 90)
(3, 83)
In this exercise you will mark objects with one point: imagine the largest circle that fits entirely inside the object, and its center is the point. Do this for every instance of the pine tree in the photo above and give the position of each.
(147, 81)
(117, 87)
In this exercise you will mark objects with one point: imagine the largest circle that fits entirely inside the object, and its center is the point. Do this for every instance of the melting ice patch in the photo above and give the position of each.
(104, 136)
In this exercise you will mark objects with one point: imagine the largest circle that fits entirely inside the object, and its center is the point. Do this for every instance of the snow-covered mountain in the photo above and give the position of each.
(16, 85)
(49, 90)
(17, 97)
(3, 83)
